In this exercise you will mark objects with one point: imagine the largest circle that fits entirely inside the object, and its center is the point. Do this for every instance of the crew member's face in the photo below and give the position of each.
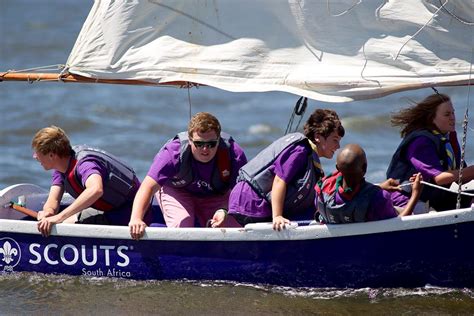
(46, 160)
(444, 119)
(328, 146)
(204, 145)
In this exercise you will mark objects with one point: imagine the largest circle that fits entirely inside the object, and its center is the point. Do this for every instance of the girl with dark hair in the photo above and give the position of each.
(429, 146)
(278, 184)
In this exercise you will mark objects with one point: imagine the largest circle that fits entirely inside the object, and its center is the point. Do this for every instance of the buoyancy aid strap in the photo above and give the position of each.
(71, 177)
(223, 163)
(76, 185)
(453, 139)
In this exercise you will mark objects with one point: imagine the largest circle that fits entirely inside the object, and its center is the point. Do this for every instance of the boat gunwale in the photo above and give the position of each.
(251, 232)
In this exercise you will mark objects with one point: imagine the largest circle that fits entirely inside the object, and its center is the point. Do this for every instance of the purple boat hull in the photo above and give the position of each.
(440, 256)
(413, 251)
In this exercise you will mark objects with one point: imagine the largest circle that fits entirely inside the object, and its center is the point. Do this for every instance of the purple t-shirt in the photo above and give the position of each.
(422, 154)
(89, 166)
(166, 165)
(291, 162)
(85, 168)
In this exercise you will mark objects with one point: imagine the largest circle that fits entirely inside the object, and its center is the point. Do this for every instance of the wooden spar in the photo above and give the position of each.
(36, 77)
(24, 210)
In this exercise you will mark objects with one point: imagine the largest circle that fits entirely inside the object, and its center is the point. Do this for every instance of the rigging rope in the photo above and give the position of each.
(300, 108)
(343, 12)
(48, 67)
(455, 16)
(441, 188)
(188, 85)
(463, 150)
(421, 28)
(465, 123)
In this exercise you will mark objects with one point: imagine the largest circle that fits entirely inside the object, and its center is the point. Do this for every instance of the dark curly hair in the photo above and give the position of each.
(323, 122)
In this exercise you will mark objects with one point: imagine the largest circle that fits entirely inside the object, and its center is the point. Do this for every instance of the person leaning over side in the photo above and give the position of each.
(345, 196)
(277, 185)
(191, 175)
(429, 146)
(92, 176)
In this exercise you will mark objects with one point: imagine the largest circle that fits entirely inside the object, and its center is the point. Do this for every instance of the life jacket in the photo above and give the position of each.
(119, 185)
(400, 168)
(220, 180)
(258, 174)
(352, 211)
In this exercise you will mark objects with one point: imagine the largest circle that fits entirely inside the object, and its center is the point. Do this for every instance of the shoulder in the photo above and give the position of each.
(87, 167)
(295, 153)
(421, 136)
(172, 147)
(298, 148)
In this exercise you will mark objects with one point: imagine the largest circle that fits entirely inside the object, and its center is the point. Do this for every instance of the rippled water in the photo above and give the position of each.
(31, 293)
(133, 123)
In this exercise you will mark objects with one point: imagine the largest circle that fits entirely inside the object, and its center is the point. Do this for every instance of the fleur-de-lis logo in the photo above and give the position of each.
(8, 252)
(11, 252)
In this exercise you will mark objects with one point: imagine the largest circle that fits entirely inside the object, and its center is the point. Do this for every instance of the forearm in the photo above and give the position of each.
(278, 196)
(447, 177)
(411, 204)
(88, 197)
(51, 206)
(142, 200)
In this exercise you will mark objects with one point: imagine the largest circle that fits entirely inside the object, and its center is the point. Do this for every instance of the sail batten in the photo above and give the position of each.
(301, 47)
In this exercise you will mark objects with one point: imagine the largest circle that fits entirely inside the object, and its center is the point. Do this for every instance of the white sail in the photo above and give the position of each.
(336, 51)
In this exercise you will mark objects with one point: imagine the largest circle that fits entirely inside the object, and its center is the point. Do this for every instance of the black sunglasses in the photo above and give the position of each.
(201, 144)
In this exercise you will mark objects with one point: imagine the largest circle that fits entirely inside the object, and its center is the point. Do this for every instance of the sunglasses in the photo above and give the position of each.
(202, 144)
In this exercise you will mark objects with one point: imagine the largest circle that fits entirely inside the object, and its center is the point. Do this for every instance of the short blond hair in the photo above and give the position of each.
(203, 122)
(51, 139)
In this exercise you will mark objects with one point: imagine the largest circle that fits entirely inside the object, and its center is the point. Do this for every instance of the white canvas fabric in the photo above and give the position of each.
(336, 51)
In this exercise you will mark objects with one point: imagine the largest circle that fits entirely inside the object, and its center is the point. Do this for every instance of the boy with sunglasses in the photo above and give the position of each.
(191, 176)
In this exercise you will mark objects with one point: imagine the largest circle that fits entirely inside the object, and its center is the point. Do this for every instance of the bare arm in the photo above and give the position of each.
(390, 185)
(92, 192)
(415, 195)
(51, 206)
(140, 205)
(278, 200)
(448, 177)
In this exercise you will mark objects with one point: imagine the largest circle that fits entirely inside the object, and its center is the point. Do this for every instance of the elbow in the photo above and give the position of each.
(98, 192)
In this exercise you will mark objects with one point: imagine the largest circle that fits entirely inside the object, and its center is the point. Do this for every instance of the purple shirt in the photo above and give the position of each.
(422, 154)
(291, 162)
(89, 166)
(166, 165)
(85, 168)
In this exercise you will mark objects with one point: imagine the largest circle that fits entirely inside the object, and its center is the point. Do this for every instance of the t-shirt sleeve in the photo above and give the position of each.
(423, 156)
(238, 161)
(291, 162)
(57, 178)
(87, 168)
(381, 206)
(166, 163)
